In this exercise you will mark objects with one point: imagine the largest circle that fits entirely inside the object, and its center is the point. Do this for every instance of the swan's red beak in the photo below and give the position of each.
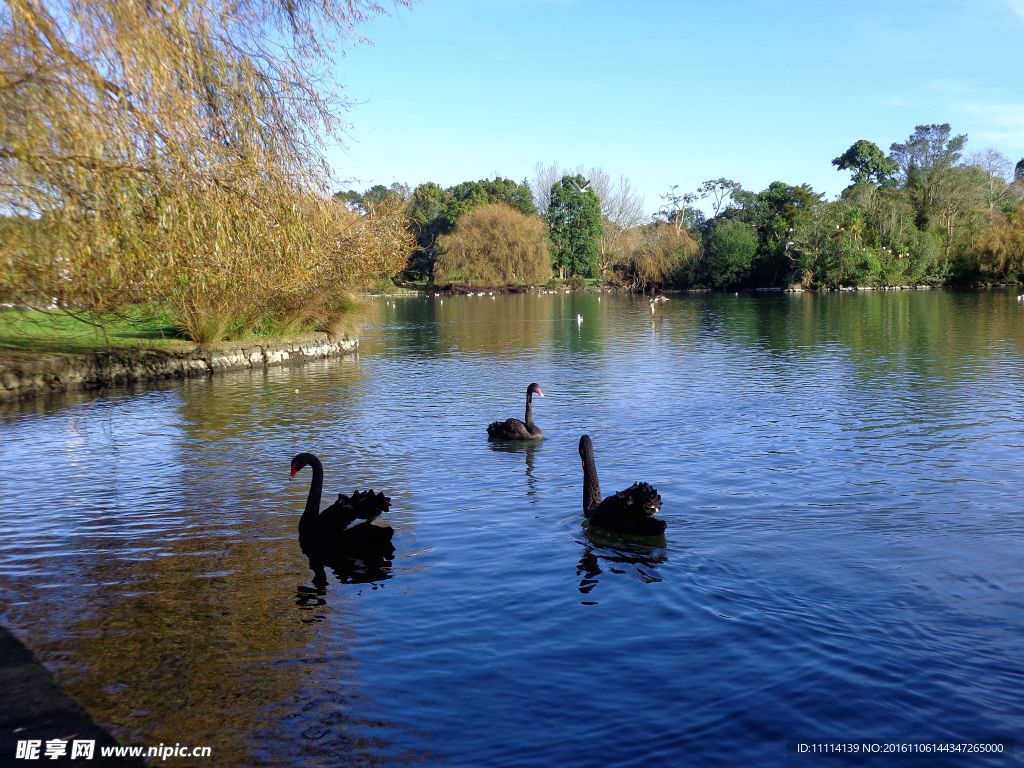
(539, 392)
(292, 473)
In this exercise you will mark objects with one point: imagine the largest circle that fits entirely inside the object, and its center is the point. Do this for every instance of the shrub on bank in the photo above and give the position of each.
(494, 246)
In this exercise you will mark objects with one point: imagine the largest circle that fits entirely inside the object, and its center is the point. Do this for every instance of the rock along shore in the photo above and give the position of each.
(28, 377)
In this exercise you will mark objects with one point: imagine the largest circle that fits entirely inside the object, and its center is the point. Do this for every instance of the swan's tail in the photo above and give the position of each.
(644, 497)
(365, 505)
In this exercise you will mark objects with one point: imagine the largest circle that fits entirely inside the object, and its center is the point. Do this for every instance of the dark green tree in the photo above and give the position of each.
(362, 202)
(924, 161)
(351, 198)
(774, 214)
(867, 163)
(434, 212)
(574, 225)
(429, 210)
(470, 195)
(731, 247)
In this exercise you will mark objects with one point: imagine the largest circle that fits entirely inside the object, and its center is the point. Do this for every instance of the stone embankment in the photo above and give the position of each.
(29, 376)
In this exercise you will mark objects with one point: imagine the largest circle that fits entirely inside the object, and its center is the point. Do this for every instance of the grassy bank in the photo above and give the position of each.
(54, 331)
(31, 332)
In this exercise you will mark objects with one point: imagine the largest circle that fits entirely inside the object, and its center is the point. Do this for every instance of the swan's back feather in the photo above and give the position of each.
(630, 511)
(361, 505)
(511, 429)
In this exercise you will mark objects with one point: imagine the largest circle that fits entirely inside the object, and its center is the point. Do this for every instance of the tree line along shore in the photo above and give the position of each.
(925, 213)
(164, 179)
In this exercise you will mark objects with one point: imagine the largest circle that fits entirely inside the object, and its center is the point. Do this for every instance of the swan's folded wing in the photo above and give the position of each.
(365, 505)
(640, 499)
(508, 428)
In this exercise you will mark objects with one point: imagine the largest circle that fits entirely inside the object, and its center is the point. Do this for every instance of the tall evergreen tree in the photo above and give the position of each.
(574, 224)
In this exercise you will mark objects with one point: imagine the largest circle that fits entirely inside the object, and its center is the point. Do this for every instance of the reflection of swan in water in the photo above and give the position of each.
(350, 569)
(529, 448)
(604, 553)
(347, 571)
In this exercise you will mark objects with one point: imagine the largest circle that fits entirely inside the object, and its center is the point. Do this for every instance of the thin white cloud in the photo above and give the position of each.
(1017, 6)
(1003, 123)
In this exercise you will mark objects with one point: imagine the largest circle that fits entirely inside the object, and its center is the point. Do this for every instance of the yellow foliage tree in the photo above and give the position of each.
(494, 245)
(655, 252)
(1001, 248)
(164, 151)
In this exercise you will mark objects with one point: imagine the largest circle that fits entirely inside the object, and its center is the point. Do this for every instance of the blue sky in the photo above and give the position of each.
(672, 92)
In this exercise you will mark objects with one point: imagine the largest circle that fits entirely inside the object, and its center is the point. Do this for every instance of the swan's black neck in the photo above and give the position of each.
(528, 421)
(316, 487)
(591, 485)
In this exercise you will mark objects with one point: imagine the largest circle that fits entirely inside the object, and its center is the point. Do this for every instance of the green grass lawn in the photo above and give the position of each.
(34, 331)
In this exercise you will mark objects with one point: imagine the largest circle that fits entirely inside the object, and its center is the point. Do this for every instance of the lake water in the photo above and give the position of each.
(843, 481)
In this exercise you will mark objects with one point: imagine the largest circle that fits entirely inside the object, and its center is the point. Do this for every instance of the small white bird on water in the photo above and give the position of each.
(579, 319)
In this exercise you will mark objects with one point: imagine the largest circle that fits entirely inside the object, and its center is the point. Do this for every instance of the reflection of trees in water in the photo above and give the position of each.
(623, 556)
(588, 337)
(513, 323)
(196, 645)
(188, 635)
(928, 332)
(181, 654)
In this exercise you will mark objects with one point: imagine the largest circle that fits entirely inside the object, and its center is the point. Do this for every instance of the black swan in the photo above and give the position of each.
(630, 511)
(514, 429)
(328, 532)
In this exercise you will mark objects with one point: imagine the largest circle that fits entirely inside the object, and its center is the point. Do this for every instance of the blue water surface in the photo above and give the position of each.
(843, 481)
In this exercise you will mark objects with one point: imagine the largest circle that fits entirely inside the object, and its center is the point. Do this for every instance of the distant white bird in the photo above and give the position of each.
(579, 319)
(580, 190)
(1021, 297)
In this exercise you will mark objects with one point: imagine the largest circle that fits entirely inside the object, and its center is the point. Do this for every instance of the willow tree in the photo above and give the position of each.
(494, 245)
(173, 150)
